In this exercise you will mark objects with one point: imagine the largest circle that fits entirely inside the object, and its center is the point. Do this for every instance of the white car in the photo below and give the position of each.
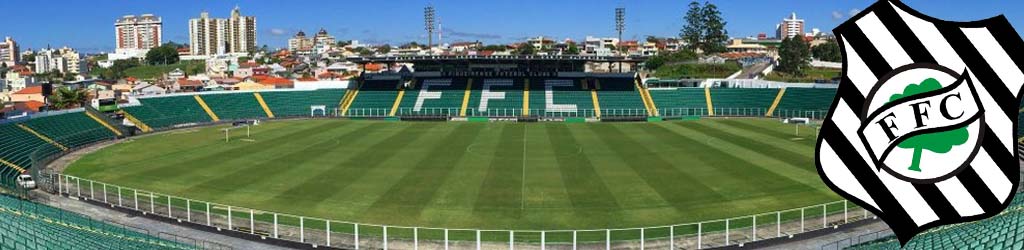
(26, 182)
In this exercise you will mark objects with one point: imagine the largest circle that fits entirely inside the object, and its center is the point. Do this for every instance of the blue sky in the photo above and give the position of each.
(88, 25)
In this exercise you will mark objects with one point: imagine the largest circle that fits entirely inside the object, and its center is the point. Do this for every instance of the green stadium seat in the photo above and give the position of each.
(445, 98)
(567, 98)
(71, 129)
(234, 106)
(504, 97)
(742, 101)
(375, 98)
(29, 225)
(1003, 231)
(805, 102)
(678, 102)
(297, 103)
(619, 97)
(170, 111)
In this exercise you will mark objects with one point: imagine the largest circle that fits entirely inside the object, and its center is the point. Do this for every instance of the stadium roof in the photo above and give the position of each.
(494, 58)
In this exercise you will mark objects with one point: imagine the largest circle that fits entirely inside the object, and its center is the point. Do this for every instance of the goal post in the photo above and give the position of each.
(227, 131)
(314, 108)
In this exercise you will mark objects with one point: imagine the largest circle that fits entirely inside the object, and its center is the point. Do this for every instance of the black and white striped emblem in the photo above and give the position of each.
(923, 128)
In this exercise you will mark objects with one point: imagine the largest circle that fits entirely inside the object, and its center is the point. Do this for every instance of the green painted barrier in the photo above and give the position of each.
(575, 120)
(479, 119)
(392, 119)
(691, 118)
(654, 119)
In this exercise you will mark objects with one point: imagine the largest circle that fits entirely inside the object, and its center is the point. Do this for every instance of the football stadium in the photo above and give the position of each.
(498, 152)
(705, 140)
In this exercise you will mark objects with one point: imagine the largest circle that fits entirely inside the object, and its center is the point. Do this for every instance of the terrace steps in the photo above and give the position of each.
(12, 165)
(465, 97)
(263, 104)
(711, 106)
(206, 108)
(593, 96)
(526, 98)
(104, 123)
(398, 102)
(775, 104)
(43, 137)
(138, 123)
(350, 96)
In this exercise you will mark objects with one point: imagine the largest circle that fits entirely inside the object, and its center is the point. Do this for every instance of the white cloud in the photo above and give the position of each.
(836, 15)
(277, 31)
(853, 12)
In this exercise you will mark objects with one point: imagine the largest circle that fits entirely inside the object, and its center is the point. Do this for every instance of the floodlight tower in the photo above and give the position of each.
(428, 22)
(620, 21)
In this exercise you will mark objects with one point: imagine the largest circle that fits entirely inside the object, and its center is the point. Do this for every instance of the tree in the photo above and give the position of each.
(793, 56)
(572, 49)
(828, 51)
(938, 142)
(495, 47)
(65, 98)
(652, 39)
(68, 76)
(117, 70)
(693, 29)
(163, 55)
(714, 34)
(657, 61)
(525, 49)
(704, 28)
(384, 49)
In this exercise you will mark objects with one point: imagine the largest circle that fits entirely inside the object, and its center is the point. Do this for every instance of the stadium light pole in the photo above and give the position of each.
(428, 23)
(620, 22)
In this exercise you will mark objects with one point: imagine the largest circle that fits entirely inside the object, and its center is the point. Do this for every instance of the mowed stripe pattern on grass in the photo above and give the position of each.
(480, 175)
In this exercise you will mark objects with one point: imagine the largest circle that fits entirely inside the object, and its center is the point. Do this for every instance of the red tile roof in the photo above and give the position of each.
(276, 81)
(189, 83)
(307, 79)
(30, 90)
(29, 106)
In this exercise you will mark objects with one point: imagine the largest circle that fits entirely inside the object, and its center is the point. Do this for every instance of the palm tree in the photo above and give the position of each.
(65, 98)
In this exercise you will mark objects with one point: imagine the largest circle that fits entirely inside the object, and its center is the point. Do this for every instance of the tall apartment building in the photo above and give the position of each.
(9, 53)
(790, 27)
(300, 43)
(137, 34)
(63, 60)
(323, 41)
(212, 36)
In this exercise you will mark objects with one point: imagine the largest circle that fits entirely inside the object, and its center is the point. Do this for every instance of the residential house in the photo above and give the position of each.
(34, 93)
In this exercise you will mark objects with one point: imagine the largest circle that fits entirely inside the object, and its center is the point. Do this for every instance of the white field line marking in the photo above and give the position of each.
(523, 191)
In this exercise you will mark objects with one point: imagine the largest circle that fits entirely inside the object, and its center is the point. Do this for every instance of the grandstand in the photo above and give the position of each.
(170, 111)
(30, 225)
(547, 95)
(285, 104)
(1003, 231)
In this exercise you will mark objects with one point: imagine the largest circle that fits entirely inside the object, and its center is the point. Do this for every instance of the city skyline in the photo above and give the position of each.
(396, 23)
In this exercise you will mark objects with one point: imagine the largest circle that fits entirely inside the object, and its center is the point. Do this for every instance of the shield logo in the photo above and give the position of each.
(923, 128)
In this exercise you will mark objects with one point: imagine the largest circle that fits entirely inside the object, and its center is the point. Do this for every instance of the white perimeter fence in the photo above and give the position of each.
(325, 232)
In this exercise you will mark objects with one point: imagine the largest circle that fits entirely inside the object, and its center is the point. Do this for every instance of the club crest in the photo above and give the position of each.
(923, 128)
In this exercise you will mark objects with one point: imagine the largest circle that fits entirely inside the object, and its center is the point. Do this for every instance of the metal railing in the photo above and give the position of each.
(864, 238)
(327, 232)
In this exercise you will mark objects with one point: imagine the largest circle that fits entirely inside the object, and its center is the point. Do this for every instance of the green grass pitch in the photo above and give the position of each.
(525, 176)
